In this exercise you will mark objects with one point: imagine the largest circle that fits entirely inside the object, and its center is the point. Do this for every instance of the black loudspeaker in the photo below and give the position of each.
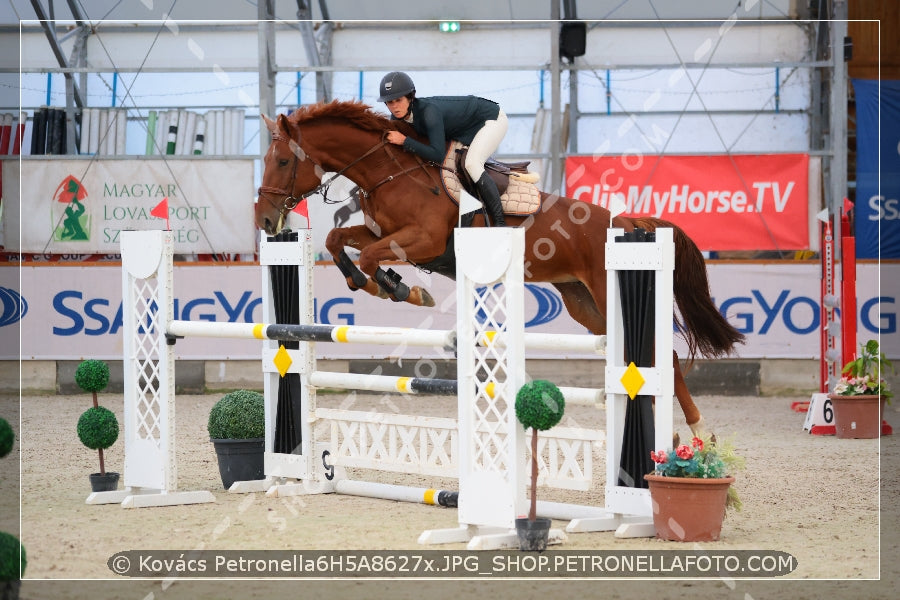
(572, 39)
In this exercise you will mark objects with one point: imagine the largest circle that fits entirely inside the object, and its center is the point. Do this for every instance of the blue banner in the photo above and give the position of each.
(877, 192)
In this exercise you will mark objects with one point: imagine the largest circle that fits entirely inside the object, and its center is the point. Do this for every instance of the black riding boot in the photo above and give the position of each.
(490, 196)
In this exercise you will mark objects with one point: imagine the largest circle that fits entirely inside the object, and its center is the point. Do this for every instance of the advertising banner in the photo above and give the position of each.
(79, 206)
(738, 202)
(75, 312)
(877, 168)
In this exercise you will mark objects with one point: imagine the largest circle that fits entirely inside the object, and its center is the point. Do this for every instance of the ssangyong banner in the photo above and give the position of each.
(75, 312)
(737, 202)
(79, 206)
(877, 168)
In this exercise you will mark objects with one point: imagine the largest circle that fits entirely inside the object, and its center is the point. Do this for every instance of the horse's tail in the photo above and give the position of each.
(705, 330)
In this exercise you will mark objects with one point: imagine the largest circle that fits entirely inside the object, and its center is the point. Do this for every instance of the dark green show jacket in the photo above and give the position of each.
(445, 118)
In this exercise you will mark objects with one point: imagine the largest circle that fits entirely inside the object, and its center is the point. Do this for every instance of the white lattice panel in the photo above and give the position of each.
(492, 451)
(566, 457)
(397, 443)
(147, 418)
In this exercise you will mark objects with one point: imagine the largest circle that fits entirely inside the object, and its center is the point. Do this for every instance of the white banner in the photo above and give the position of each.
(79, 206)
(75, 312)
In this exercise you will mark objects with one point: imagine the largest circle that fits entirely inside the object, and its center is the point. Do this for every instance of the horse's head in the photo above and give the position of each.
(289, 175)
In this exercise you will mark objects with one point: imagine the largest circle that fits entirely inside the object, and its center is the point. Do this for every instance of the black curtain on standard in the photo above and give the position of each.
(285, 294)
(637, 291)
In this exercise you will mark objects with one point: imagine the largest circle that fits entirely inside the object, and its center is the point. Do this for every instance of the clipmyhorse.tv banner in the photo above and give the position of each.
(80, 206)
(737, 202)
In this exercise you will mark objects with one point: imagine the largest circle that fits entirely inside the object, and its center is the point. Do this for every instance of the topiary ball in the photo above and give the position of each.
(11, 553)
(92, 375)
(98, 428)
(7, 437)
(539, 405)
(238, 415)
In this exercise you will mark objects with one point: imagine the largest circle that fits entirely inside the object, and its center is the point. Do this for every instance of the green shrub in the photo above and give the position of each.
(92, 375)
(539, 405)
(238, 415)
(7, 437)
(11, 552)
(98, 428)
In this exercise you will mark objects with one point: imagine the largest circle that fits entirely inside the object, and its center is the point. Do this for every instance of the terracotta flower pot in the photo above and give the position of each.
(687, 509)
(857, 416)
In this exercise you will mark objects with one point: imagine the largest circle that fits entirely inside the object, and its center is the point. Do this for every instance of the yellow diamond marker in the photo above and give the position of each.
(282, 360)
(632, 380)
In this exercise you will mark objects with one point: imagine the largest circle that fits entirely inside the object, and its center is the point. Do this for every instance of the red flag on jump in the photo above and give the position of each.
(302, 209)
(161, 211)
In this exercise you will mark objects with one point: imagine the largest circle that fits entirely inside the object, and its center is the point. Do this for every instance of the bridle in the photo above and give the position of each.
(291, 201)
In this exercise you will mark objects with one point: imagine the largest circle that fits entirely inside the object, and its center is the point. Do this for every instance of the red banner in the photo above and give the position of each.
(743, 202)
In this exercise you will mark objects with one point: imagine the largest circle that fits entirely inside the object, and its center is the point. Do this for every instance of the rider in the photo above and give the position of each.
(471, 120)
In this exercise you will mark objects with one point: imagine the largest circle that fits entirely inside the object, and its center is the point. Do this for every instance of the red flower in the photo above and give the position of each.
(697, 443)
(658, 457)
(685, 452)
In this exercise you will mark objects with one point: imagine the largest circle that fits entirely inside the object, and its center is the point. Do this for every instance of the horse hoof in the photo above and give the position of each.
(698, 428)
(425, 298)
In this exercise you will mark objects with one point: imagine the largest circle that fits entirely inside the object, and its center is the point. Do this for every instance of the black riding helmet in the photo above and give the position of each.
(395, 85)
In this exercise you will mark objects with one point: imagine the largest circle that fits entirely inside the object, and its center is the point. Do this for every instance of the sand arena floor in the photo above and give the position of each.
(816, 498)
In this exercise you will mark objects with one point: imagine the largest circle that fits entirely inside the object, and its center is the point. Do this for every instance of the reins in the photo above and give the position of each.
(291, 201)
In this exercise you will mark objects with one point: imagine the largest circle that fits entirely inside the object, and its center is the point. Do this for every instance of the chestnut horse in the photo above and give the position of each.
(410, 217)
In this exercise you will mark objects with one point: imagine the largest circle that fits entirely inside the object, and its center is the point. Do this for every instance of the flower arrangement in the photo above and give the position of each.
(703, 458)
(863, 375)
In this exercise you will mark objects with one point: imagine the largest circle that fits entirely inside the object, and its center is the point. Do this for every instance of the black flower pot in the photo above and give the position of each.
(240, 460)
(10, 589)
(533, 535)
(104, 482)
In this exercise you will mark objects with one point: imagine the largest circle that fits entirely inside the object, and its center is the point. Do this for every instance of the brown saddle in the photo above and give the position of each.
(496, 170)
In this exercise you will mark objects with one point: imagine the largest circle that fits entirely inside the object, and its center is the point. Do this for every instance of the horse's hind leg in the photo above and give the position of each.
(691, 413)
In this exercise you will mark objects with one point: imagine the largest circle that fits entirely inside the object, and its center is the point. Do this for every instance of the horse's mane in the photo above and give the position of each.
(359, 113)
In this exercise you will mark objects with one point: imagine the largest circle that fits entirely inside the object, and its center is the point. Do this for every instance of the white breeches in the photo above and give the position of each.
(484, 144)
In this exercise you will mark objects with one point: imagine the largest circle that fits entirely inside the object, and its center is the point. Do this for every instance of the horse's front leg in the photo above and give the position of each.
(358, 237)
(409, 245)
(691, 413)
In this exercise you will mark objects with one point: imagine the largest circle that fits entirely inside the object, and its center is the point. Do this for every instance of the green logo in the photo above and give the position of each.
(69, 217)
